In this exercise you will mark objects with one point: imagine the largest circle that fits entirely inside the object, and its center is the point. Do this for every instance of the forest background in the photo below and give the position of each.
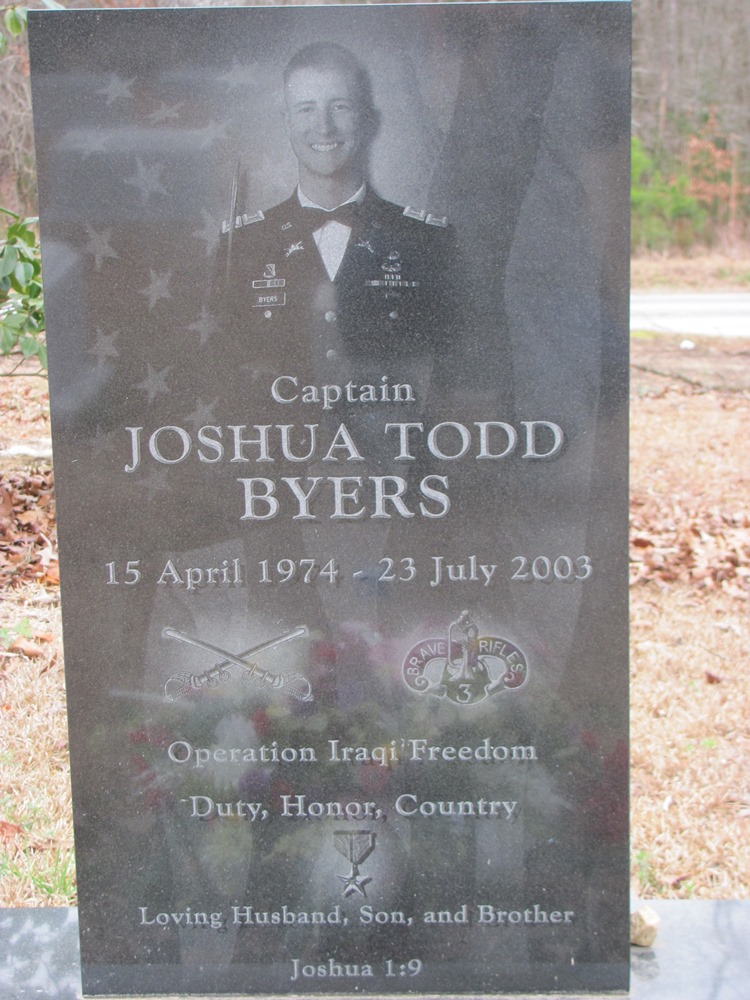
(691, 120)
(690, 482)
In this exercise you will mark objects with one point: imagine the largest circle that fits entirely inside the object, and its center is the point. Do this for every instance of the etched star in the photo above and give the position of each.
(240, 75)
(202, 415)
(259, 371)
(99, 246)
(165, 113)
(209, 134)
(155, 382)
(104, 347)
(205, 325)
(117, 89)
(158, 288)
(354, 883)
(86, 141)
(155, 482)
(209, 234)
(146, 179)
(103, 441)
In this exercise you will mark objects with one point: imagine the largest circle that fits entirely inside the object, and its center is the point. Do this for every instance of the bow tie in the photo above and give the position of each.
(316, 217)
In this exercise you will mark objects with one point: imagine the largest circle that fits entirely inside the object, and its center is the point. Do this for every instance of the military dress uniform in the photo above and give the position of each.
(388, 308)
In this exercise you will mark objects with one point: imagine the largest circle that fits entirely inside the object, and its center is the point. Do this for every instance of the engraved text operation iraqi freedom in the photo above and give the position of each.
(342, 282)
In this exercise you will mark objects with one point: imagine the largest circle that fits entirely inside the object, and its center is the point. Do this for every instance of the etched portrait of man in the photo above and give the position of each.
(335, 276)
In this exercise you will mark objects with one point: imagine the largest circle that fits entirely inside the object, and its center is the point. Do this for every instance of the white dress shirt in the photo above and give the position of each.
(332, 238)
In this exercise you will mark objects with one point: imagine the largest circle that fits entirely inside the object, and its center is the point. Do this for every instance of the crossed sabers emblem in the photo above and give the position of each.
(180, 685)
(356, 846)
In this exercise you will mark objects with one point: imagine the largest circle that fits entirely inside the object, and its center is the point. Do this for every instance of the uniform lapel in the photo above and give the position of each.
(298, 246)
(363, 244)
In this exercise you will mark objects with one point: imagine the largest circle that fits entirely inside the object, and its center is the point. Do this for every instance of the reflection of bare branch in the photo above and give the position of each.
(17, 169)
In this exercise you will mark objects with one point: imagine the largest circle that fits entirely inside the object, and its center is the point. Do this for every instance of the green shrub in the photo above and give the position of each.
(21, 301)
(664, 215)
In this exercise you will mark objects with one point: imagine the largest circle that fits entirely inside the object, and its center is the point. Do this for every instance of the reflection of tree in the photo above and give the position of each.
(40, 953)
(293, 862)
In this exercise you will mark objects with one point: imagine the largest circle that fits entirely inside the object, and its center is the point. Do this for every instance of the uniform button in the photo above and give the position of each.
(330, 316)
(393, 315)
(331, 355)
(268, 313)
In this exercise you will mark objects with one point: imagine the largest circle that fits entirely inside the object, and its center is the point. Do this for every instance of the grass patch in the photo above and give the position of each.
(49, 874)
(22, 630)
(37, 866)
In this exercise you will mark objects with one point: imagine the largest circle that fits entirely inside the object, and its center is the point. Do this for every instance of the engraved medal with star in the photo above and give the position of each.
(356, 846)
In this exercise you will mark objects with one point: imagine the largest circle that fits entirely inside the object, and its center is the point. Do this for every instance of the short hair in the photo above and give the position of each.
(331, 55)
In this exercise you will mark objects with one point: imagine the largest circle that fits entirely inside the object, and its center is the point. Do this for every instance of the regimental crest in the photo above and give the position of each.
(356, 846)
(391, 277)
(465, 667)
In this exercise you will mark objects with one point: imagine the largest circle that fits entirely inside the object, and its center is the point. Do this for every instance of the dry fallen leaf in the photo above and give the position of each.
(9, 831)
(28, 517)
(6, 504)
(27, 527)
(30, 649)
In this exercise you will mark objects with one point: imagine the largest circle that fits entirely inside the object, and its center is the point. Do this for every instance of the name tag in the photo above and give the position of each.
(267, 301)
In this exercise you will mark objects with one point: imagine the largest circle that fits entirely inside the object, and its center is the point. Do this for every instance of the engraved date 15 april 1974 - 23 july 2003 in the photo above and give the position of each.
(440, 571)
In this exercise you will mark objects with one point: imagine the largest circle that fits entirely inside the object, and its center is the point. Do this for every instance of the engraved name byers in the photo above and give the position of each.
(348, 497)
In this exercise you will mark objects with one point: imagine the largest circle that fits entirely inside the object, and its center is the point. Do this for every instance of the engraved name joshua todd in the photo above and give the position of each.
(308, 498)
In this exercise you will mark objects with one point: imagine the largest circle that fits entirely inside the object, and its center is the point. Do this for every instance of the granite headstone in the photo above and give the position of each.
(342, 495)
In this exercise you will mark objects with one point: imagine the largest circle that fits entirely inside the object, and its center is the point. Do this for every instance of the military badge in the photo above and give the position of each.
(421, 216)
(392, 263)
(356, 846)
(391, 267)
(414, 213)
(269, 279)
(465, 667)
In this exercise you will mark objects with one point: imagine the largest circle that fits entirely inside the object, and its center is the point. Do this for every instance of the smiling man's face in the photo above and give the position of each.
(325, 121)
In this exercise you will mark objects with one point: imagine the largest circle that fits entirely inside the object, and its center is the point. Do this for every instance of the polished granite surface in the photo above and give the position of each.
(701, 953)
